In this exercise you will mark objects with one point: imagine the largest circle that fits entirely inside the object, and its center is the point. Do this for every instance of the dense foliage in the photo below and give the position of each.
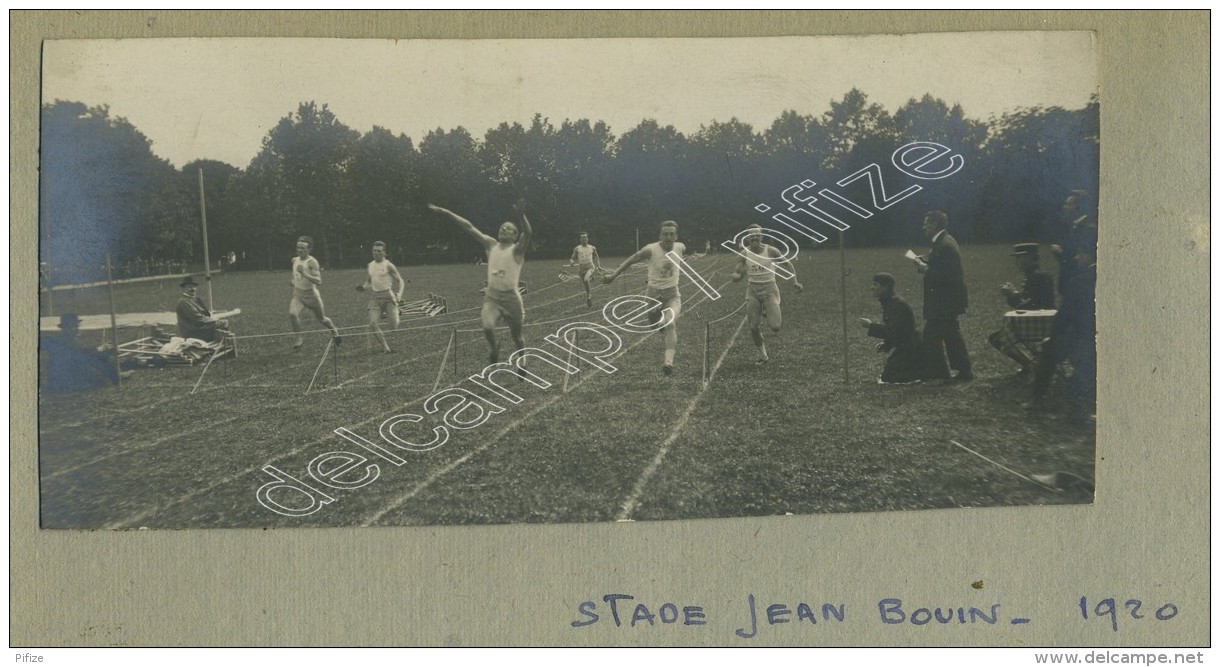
(105, 191)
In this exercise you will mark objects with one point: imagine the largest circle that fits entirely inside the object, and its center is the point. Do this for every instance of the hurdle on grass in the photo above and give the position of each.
(452, 348)
(215, 353)
(321, 361)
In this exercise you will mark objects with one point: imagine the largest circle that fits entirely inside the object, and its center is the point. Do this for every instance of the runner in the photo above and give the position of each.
(762, 293)
(662, 284)
(386, 285)
(505, 257)
(586, 256)
(306, 276)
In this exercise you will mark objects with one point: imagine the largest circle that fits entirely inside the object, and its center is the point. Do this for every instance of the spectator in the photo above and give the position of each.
(194, 318)
(1074, 334)
(1076, 218)
(898, 335)
(1036, 293)
(944, 299)
(70, 367)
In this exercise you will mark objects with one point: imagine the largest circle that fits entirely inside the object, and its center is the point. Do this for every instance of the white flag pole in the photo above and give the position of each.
(207, 261)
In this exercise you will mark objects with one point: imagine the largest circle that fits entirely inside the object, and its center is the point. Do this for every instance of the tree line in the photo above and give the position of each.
(104, 191)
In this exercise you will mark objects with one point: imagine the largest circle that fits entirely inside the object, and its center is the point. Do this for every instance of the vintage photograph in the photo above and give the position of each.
(324, 282)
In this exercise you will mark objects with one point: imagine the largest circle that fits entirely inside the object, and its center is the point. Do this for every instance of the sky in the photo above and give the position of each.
(218, 98)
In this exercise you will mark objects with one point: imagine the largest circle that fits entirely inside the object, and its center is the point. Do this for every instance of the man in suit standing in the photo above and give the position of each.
(944, 299)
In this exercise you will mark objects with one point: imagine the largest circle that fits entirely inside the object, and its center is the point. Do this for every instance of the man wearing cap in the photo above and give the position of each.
(897, 333)
(194, 318)
(1036, 293)
(944, 300)
(1077, 223)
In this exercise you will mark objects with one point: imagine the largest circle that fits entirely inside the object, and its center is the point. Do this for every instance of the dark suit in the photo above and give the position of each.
(1074, 338)
(897, 332)
(1037, 293)
(944, 299)
(196, 321)
(72, 368)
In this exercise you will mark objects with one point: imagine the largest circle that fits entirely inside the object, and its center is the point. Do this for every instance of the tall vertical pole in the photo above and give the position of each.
(637, 239)
(114, 325)
(207, 261)
(843, 299)
(50, 295)
(45, 226)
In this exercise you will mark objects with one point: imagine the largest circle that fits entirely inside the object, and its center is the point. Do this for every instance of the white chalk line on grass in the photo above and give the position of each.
(633, 500)
(1003, 467)
(244, 382)
(131, 520)
(225, 480)
(169, 438)
(537, 324)
(365, 326)
(212, 425)
(136, 518)
(236, 383)
(397, 502)
(495, 439)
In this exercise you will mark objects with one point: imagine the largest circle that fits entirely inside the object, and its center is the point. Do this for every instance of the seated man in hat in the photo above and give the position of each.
(70, 367)
(908, 359)
(194, 318)
(1036, 293)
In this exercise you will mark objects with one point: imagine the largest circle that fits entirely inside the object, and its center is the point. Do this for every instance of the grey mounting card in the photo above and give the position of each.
(795, 405)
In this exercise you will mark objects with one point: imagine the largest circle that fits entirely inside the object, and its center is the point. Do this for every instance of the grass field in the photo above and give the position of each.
(788, 437)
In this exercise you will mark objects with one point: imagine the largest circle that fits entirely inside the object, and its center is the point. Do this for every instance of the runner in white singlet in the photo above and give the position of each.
(662, 284)
(762, 293)
(505, 257)
(585, 256)
(386, 285)
(306, 276)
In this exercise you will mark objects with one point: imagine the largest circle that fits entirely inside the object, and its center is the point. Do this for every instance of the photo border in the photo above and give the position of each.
(1145, 537)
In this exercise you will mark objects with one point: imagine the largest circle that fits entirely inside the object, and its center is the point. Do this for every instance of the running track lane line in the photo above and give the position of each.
(211, 425)
(397, 502)
(420, 487)
(238, 382)
(633, 500)
(169, 438)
